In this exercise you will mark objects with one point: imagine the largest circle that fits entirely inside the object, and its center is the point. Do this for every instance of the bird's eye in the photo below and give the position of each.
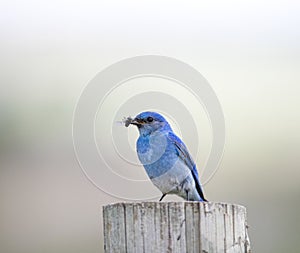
(149, 119)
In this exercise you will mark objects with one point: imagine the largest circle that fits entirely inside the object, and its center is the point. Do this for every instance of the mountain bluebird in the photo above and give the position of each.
(165, 157)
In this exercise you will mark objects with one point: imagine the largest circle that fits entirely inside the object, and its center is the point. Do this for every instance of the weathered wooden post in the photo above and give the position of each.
(175, 227)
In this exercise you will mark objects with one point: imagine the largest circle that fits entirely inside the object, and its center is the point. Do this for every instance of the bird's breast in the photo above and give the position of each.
(158, 156)
(151, 148)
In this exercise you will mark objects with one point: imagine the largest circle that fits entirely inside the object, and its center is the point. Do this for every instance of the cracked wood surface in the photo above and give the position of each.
(175, 227)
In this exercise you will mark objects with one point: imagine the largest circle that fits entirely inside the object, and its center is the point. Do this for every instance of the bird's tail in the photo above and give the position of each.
(198, 187)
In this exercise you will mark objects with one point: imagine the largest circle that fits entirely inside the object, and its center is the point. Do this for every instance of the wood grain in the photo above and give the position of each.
(175, 227)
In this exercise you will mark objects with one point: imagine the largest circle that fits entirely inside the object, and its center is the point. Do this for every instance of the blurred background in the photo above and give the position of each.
(249, 51)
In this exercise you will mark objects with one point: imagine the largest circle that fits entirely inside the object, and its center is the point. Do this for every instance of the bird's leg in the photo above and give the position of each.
(187, 195)
(162, 197)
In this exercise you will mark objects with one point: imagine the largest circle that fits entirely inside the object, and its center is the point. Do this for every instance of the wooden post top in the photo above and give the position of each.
(175, 227)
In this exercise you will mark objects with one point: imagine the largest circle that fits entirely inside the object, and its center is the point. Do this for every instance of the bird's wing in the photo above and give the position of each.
(187, 159)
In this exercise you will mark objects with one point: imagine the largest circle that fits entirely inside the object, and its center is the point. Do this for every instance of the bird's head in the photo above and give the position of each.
(149, 122)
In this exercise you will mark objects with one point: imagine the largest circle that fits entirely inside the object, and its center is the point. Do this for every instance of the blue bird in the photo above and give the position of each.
(165, 158)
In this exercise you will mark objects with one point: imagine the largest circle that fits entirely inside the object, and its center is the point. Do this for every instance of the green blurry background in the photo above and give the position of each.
(249, 51)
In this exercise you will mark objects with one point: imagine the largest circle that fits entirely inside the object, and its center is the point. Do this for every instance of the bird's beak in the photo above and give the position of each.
(137, 122)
